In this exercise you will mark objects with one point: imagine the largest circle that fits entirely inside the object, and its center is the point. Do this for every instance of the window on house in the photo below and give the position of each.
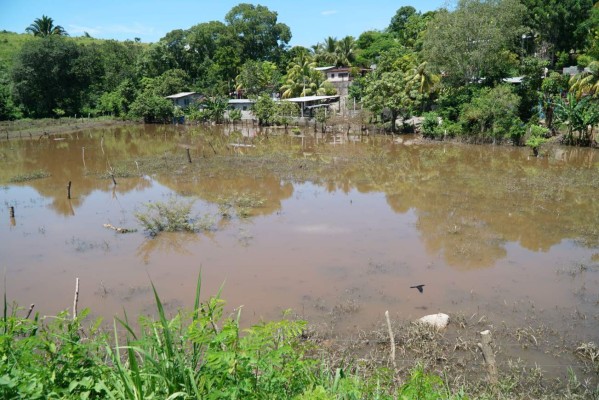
(332, 76)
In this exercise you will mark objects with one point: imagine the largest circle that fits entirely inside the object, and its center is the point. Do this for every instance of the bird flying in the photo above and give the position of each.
(419, 287)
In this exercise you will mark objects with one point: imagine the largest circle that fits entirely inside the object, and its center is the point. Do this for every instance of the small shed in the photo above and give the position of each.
(308, 103)
(184, 99)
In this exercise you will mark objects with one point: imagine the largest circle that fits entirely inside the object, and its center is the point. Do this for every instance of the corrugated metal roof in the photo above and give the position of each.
(179, 95)
(311, 98)
(241, 101)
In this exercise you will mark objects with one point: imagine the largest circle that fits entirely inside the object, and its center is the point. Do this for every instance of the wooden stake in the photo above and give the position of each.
(188, 155)
(113, 180)
(488, 355)
(76, 298)
(83, 156)
(69, 190)
(391, 338)
(12, 212)
(30, 310)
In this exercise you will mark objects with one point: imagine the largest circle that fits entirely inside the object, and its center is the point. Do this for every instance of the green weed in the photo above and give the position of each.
(172, 216)
(240, 204)
(38, 174)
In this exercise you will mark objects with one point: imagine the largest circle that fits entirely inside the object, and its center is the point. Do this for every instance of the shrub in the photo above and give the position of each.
(173, 216)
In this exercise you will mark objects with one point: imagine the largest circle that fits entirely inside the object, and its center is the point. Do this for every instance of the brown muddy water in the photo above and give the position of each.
(346, 227)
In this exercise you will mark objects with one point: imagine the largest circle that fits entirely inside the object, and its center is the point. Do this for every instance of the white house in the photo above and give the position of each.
(244, 105)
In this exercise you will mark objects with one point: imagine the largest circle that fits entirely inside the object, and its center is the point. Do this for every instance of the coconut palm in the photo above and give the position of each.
(345, 52)
(325, 52)
(44, 26)
(299, 80)
(587, 82)
(425, 79)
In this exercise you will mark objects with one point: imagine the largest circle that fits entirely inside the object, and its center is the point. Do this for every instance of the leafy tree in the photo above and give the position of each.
(258, 77)
(47, 75)
(171, 82)
(537, 136)
(372, 44)
(387, 91)
(112, 103)
(473, 41)
(8, 109)
(356, 89)
(557, 24)
(264, 109)
(400, 19)
(551, 89)
(493, 114)
(151, 108)
(591, 26)
(415, 27)
(262, 38)
(44, 26)
(119, 62)
(579, 116)
(532, 70)
(286, 111)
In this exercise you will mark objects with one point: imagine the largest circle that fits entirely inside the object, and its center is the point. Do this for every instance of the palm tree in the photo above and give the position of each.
(426, 82)
(44, 26)
(587, 82)
(425, 79)
(325, 52)
(345, 52)
(299, 81)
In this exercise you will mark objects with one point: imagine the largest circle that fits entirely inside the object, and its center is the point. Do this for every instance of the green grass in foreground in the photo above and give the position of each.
(201, 355)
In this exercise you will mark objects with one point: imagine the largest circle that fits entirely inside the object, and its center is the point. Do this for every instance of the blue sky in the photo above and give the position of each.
(310, 20)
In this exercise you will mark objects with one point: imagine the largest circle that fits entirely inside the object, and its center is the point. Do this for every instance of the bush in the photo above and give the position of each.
(173, 216)
(537, 137)
(430, 124)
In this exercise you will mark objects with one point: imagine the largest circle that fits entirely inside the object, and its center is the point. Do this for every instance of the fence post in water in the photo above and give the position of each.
(12, 212)
(69, 190)
(188, 155)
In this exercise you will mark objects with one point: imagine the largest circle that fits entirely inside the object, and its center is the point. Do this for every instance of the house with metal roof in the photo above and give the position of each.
(184, 99)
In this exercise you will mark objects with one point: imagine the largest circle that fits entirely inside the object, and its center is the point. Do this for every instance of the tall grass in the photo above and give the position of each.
(197, 355)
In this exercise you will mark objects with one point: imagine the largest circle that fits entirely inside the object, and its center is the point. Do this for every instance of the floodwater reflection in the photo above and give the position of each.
(327, 223)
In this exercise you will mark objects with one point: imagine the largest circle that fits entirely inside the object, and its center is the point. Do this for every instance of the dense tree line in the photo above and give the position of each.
(452, 61)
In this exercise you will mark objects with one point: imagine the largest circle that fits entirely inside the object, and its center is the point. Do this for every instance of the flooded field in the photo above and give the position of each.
(335, 229)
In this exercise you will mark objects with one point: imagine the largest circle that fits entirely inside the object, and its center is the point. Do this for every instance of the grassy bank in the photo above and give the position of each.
(205, 354)
(200, 354)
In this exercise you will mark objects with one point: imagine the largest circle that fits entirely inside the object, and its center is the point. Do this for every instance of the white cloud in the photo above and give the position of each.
(329, 12)
(112, 30)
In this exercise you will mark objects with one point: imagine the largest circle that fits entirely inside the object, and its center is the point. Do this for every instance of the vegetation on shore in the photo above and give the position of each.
(206, 354)
(449, 65)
